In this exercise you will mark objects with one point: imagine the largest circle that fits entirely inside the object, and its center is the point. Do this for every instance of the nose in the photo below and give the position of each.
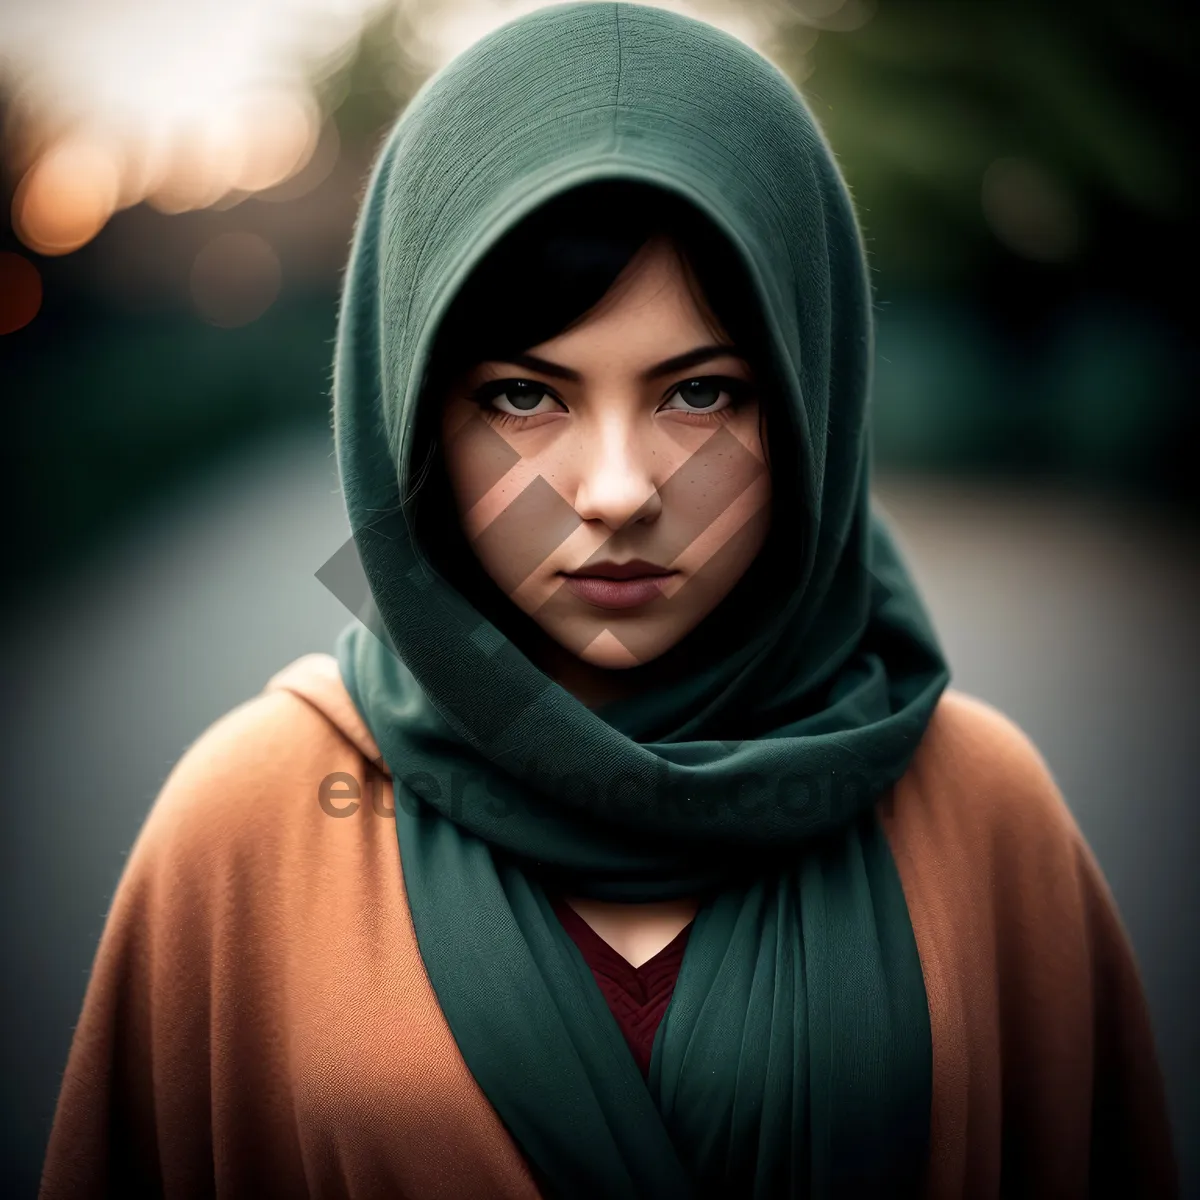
(616, 482)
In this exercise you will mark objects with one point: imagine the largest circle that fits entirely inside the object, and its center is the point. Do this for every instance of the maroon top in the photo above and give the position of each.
(637, 996)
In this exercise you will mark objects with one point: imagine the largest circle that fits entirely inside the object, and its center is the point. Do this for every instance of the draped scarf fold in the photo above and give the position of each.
(794, 1058)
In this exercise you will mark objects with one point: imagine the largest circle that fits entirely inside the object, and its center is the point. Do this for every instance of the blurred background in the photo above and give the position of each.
(180, 183)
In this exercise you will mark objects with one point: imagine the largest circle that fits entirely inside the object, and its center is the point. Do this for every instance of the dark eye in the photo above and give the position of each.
(523, 396)
(711, 394)
(516, 397)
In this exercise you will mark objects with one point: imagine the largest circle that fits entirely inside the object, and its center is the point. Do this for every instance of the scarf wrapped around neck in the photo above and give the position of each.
(795, 1056)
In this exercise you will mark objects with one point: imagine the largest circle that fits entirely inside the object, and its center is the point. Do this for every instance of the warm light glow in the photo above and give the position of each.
(318, 167)
(203, 166)
(840, 16)
(66, 197)
(818, 10)
(434, 31)
(281, 134)
(192, 105)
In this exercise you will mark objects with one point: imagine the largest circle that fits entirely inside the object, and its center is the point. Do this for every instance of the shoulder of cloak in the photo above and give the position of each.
(1046, 1080)
(316, 679)
(258, 1020)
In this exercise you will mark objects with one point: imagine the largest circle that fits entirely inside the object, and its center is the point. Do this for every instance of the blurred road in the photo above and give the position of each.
(1076, 619)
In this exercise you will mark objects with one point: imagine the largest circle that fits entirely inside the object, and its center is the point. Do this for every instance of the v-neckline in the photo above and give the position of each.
(614, 964)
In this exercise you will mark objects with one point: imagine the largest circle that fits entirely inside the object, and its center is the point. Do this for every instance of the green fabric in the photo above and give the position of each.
(795, 1056)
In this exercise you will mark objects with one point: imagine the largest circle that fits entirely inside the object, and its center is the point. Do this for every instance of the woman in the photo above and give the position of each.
(701, 882)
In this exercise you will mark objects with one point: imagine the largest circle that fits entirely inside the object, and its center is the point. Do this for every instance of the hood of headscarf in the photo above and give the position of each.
(844, 658)
(754, 777)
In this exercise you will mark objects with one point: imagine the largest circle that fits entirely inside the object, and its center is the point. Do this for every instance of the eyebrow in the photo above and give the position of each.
(680, 362)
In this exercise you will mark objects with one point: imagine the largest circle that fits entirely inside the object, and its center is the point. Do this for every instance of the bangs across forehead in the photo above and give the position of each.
(555, 266)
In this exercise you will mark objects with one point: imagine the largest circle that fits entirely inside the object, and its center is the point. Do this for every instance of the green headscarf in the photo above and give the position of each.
(795, 1056)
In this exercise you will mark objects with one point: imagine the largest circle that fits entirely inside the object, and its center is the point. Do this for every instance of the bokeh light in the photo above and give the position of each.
(315, 170)
(192, 106)
(235, 279)
(66, 197)
(110, 104)
(20, 292)
(1029, 211)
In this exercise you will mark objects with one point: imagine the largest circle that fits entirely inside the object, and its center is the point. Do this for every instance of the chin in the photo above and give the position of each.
(611, 658)
(616, 648)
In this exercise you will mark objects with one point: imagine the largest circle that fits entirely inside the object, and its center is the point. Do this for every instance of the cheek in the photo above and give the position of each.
(511, 516)
(725, 480)
(476, 458)
(720, 511)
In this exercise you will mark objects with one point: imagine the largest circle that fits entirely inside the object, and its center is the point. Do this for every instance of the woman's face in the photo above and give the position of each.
(613, 480)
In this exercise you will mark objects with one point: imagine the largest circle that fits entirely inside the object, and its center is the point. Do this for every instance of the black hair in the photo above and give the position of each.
(541, 279)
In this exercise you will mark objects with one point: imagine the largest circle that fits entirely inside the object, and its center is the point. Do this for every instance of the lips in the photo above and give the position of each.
(635, 568)
(618, 585)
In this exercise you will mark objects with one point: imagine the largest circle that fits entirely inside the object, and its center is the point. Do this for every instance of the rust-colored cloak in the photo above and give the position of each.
(259, 1022)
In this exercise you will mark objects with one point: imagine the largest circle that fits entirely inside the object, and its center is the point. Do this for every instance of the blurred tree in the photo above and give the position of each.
(1030, 162)
(926, 96)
